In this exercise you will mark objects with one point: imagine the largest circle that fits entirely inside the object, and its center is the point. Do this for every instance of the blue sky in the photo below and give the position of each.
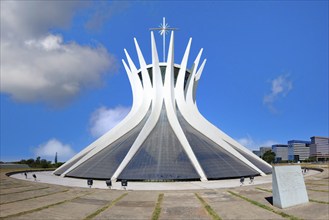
(63, 84)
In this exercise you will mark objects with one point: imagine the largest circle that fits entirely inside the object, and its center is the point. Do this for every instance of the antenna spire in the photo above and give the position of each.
(163, 30)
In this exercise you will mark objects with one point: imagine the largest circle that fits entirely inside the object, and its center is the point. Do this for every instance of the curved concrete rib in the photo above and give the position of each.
(191, 101)
(189, 86)
(157, 101)
(171, 114)
(141, 104)
(231, 141)
(137, 92)
(149, 96)
(193, 118)
(196, 120)
(146, 82)
(179, 88)
(182, 105)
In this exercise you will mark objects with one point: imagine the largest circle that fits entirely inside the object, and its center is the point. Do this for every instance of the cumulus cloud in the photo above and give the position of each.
(27, 18)
(37, 65)
(48, 70)
(253, 144)
(48, 150)
(281, 86)
(103, 119)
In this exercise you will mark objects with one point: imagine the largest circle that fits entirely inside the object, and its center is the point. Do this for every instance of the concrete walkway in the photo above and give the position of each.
(37, 200)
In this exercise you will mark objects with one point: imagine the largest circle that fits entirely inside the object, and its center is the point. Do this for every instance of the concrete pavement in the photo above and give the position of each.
(36, 200)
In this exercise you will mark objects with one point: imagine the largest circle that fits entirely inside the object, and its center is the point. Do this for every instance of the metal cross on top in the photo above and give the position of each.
(163, 30)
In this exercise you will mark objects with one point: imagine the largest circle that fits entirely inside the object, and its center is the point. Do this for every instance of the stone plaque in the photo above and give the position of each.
(288, 186)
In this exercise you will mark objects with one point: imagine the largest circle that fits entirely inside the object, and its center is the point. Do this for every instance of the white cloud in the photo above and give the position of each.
(253, 144)
(48, 150)
(103, 119)
(281, 86)
(50, 42)
(247, 142)
(34, 18)
(37, 65)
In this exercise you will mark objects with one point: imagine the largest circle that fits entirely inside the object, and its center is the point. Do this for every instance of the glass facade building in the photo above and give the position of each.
(298, 150)
(319, 148)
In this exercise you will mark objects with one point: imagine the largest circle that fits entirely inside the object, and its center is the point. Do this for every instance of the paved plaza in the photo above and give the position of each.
(20, 199)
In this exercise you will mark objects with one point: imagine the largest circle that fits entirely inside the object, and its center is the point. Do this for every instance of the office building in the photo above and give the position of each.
(281, 152)
(319, 148)
(298, 150)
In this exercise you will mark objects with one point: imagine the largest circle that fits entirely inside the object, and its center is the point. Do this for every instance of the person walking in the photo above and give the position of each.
(251, 179)
(241, 181)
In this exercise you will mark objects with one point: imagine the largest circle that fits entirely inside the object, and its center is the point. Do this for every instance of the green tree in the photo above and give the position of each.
(30, 162)
(37, 161)
(269, 156)
(58, 164)
(23, 161)
(45, 164)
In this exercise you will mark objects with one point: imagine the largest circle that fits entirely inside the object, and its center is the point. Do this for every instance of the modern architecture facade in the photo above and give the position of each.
(298, 150)
(281, 152)
(319, 148)
(164, 137)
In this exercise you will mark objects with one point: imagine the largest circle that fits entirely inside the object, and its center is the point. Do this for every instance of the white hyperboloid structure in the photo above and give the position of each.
(164, 137)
